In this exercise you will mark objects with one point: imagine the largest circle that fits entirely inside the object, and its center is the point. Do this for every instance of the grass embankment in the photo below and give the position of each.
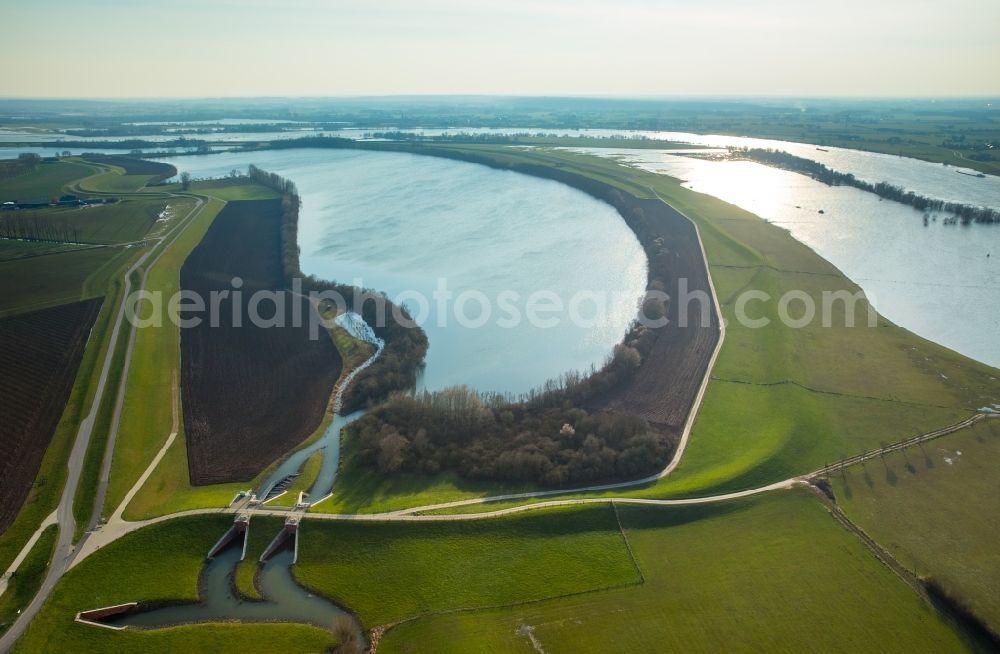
(40, 282)
(232, 188)
(776, 574)
(56, 280)
(932, 508)
(45, 182)
(160, 562)
(262, 532)
(147, 411)
(387, 572)
(302, 483)
(121, 222)
(782, 401)
(83, 502)
(113, 180)
(25, 582)
(146, 416)
(359, 489)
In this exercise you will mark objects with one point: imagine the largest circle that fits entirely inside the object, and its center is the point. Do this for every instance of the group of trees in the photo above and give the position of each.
(546, 436)
(33, 228)
(554, 446)
(780, 159)
(405, 343)
(25, 163)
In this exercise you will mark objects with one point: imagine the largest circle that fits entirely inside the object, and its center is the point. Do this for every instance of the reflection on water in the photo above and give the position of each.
(400, 222)
(942, 282)
(936, 281)
(329, 442)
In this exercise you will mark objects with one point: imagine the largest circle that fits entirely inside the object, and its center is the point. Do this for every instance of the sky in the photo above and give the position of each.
(218, 48)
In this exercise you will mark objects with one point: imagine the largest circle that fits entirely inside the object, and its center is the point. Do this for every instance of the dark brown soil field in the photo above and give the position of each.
(135, 166)
(250, 393)
(39, 356)
(664, 388)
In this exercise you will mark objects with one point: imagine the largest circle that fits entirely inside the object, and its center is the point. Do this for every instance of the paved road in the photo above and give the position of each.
(64, 552)
(116, 527)
(109, 450)
(23, 554)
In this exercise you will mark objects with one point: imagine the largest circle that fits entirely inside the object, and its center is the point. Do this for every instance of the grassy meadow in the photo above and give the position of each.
(46, 182)
(776, 574)
(932, 508)
(25, 582)
(388, 572)
(159, 562)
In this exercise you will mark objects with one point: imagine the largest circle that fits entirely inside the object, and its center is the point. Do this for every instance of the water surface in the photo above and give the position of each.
(940, 281)
(406, 224)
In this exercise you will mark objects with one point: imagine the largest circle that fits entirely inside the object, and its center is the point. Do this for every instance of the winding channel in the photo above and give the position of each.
(329, 442)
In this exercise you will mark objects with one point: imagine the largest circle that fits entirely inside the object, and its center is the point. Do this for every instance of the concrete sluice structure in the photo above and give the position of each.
(240, 528)
(290, 530)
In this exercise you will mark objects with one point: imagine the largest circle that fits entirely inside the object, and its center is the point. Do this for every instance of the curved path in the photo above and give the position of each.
(65, 551)
(116, 527)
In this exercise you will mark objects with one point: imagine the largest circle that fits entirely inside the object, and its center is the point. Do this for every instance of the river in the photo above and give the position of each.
(939, 281)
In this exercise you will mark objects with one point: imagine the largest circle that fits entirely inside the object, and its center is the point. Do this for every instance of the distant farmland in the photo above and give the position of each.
(249, 393)
(133, 166)
(39, 355)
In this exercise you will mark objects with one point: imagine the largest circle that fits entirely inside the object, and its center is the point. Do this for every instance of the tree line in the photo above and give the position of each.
(32, 228)
(546, 436)
(405, 343)
(455, 430)
(25, 163)
(779, 159)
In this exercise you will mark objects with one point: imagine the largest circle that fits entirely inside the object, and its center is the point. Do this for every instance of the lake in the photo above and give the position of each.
(426, 227)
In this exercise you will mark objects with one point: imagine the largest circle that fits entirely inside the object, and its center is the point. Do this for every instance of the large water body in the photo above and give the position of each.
(405, 224)
(940, 281)
(936, 281)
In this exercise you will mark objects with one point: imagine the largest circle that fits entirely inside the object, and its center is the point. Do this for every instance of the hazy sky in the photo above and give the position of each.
(140, 48)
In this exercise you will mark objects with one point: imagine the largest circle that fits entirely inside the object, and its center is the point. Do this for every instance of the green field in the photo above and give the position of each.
(387, 572)
(159, 562)
(25, 582)
(932, 507)
(310, 469)
(114, 182)
(45, 182)
(10, 250)
(773, 575)
(782, 401)
(121, 222)
(60, 278)
(64, 275)
(146, 415)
